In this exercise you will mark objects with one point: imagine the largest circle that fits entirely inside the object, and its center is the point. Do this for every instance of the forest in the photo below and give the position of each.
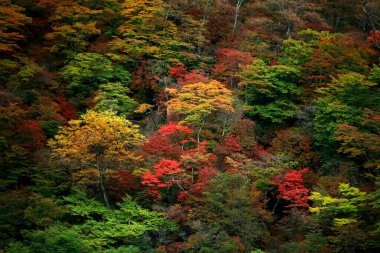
(210, 126)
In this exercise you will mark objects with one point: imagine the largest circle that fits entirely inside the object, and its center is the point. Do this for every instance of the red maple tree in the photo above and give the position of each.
(290, 188)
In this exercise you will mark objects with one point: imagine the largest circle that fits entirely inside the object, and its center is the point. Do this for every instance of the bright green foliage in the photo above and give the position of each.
(57, 238)
(104, 227)
(345, 85)
(114, 97)
(270, 92)
(124, 249)
(375, 74)
(87, 71)
(342, 210)
(295, 52)
(329, 113)
(80, 205)
(343, 217)
(101, 228)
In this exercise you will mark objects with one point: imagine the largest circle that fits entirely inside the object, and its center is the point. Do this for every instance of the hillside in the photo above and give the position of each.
(204, 126)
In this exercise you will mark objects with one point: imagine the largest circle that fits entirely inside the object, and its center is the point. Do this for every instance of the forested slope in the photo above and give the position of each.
(189, 126)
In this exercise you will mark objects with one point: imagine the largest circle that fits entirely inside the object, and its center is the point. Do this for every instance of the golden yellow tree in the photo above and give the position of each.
(199, 101)
(95, 146)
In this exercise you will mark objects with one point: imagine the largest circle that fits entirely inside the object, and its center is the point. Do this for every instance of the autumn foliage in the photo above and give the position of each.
(290, 188)
(189, 126)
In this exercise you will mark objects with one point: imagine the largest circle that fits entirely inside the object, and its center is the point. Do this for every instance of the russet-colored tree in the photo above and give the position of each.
(229, 64)
(12, 21)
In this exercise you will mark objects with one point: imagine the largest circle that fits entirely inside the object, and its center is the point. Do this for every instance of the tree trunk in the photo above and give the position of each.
(102, 188)
(237, 10)
(198, 134)
(104, 193)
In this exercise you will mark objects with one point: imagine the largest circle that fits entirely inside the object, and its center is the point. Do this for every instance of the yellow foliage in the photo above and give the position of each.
(199, 100)
(143, 108)
(97, 142)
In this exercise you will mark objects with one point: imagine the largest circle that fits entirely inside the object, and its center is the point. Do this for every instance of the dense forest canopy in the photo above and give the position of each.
(204, 126)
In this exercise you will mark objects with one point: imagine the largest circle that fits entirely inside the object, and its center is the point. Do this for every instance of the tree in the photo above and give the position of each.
(371, 11)
(114, 97)
(362, 141)
(87, 71)
(95, 145)
(283, 19)
(342, 217)
(199, 101)
(230, 62)
(294, 145)
(338, 106)
(239, 4)
(228, 205)
(147, 31)
(290, 188)
(337, 52)
(98, 230)
(73, 24)
(270, 91)
(178, 164)
(12, 20)
(166, 174)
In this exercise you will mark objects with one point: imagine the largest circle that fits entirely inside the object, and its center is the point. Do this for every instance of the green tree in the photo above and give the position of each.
(338, 106)
(87, 71)
(114, 97)
(270, 92)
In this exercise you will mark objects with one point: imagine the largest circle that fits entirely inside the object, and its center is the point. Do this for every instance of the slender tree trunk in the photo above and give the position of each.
(237, 10)
(198, 134)
(102, 188)
(337, 23)
(106, 200)
(224, 126)
(274, 208)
